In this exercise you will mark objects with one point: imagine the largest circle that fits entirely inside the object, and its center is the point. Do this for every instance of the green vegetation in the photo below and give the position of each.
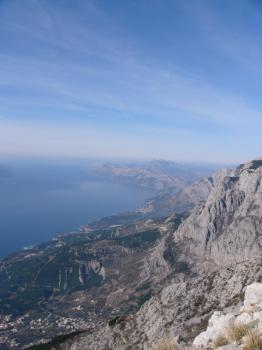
(31, 277)
(25, 281)
(55, 341)
(116, 320)
(138, 239)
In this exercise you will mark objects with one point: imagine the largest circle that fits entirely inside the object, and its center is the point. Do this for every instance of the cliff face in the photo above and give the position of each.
(214, 254)
(227, 228)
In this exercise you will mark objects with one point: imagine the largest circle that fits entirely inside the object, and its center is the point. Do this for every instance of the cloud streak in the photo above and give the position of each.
(75, 67)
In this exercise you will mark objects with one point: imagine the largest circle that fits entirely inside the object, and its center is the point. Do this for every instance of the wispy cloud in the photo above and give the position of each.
(232, 29)
(67, 64)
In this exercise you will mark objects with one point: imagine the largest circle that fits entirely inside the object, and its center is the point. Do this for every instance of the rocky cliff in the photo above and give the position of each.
(227, 229)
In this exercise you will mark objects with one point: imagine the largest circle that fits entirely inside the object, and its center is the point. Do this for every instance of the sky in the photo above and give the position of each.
(140, 79)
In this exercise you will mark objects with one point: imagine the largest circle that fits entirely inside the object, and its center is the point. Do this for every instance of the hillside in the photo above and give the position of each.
(78, 280)
(215, 254)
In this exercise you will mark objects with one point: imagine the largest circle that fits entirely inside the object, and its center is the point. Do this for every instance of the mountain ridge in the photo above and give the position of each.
(159, 175)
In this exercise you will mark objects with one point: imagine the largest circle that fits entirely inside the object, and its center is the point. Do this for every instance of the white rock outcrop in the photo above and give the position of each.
(253, 295)
(250, 314)
(216, 326)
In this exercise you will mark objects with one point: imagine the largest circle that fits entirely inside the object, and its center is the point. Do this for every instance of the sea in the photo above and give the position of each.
(42, 198)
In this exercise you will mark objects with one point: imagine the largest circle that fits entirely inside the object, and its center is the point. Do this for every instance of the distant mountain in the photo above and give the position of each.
(158, 175)
(186, 171)
(169, 203)
(184, 200)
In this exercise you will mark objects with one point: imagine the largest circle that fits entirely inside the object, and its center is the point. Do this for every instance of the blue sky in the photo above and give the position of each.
(131, 79)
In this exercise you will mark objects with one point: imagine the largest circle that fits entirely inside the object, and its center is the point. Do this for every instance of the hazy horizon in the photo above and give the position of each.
(9, 158)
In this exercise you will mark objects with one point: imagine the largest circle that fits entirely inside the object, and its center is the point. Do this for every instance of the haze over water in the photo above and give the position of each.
(41, 199)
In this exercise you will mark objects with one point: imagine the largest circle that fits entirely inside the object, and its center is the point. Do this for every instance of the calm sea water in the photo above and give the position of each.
(41, 199)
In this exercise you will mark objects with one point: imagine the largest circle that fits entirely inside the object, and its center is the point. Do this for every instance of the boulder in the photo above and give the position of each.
(216, 326)
(244, 317)
(253, 295)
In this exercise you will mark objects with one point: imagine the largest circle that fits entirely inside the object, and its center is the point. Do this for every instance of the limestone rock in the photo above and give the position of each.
(219, 321)
(216, 326)
(253, 295)
(227, 229)
(244, 318)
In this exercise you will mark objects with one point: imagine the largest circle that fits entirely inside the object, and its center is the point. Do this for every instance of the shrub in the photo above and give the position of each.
(166, 344)
(253, 341)
(115, 320)
(55, 342)
(220, 340)
(237, 331)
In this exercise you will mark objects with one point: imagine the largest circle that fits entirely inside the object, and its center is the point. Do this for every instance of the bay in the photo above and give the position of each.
(39, 199)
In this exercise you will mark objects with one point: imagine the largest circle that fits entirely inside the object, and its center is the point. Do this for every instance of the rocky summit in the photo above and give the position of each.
(133, 285)
(226, 230)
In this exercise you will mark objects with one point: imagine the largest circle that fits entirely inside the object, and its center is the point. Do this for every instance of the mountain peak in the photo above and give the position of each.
(253, 165)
